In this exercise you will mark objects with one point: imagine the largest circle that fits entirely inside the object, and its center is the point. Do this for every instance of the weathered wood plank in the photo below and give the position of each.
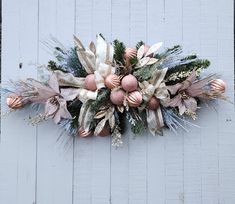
(156, 144)
(119, 157)
(82, 180)
(226, 122)
(101, 146)
(174, 152)
(138, 145)
(18, 139)
(54, 162)
(192, 140)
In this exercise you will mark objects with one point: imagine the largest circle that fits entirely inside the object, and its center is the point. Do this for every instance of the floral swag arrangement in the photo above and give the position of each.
(90, 91)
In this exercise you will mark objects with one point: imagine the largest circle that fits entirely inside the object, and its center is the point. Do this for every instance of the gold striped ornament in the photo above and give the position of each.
(130, 53)
(218, 85)
(112, 81)
(83, 133)
(14, 101)
(134, 99)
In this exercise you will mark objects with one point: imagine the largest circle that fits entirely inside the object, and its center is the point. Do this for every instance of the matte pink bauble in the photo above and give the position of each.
(112, 81)
(130, 53)
(117, 97)
(134, 99)
(153, 103)
(129, 83)
(105, 132)
(83, 133)
(218, 85)
(90, 83)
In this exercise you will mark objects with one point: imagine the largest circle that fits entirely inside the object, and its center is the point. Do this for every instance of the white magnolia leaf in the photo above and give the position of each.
(85, 61)
(87, 119)
(92, 47)
(100, 126)
(78, 43)
(140, 52)
(152, 61)
(69, 94)
(112, 122)
(154, 48)
(82, 113)
(100, 114)
(120, 109)
(144, 61)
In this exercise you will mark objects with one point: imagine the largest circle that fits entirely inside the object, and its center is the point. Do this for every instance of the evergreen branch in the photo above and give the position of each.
(139, 44)
(119, 51)
(102, 99)
(137, 121)
(181, 72)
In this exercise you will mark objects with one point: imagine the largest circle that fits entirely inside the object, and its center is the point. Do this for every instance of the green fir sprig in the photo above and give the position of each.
(119, 51)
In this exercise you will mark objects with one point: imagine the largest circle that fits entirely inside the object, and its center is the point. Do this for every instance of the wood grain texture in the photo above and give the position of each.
(54, 160)
(39, 167)
(18, 139)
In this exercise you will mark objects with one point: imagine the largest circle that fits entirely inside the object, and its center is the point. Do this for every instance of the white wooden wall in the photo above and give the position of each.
(191, 168)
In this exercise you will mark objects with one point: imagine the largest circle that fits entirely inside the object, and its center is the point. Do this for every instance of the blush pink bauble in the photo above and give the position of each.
(117, 97)
(90, 83)
(129, 83)
(153, 103)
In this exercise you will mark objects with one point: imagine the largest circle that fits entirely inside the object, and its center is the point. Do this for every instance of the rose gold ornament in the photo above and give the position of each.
(130, 53)
(117, 97)
(129, 83)
(218, 85)
(104, 132)
(90, 83)
(83, 133)
(134, 99)
(14, 101)
(153, 103)
(112, 81)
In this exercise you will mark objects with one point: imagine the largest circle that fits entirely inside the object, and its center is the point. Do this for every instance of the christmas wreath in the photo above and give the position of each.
(90, 91)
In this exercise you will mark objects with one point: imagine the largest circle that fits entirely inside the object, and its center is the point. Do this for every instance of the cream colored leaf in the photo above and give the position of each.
(112, 122)
(120, 109)
(78, 43)
(100, 126)
(144, 61)
(100, 114)
(92, 47)
(153, 48)
(87, 63)
(152, 61)
(87, 119)
(140, 52)
(82, 113)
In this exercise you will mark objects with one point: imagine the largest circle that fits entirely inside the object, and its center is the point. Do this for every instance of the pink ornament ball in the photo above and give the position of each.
(90, 83)
(134, 99)
(117, 97)
(129, 83)
(153, 103)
